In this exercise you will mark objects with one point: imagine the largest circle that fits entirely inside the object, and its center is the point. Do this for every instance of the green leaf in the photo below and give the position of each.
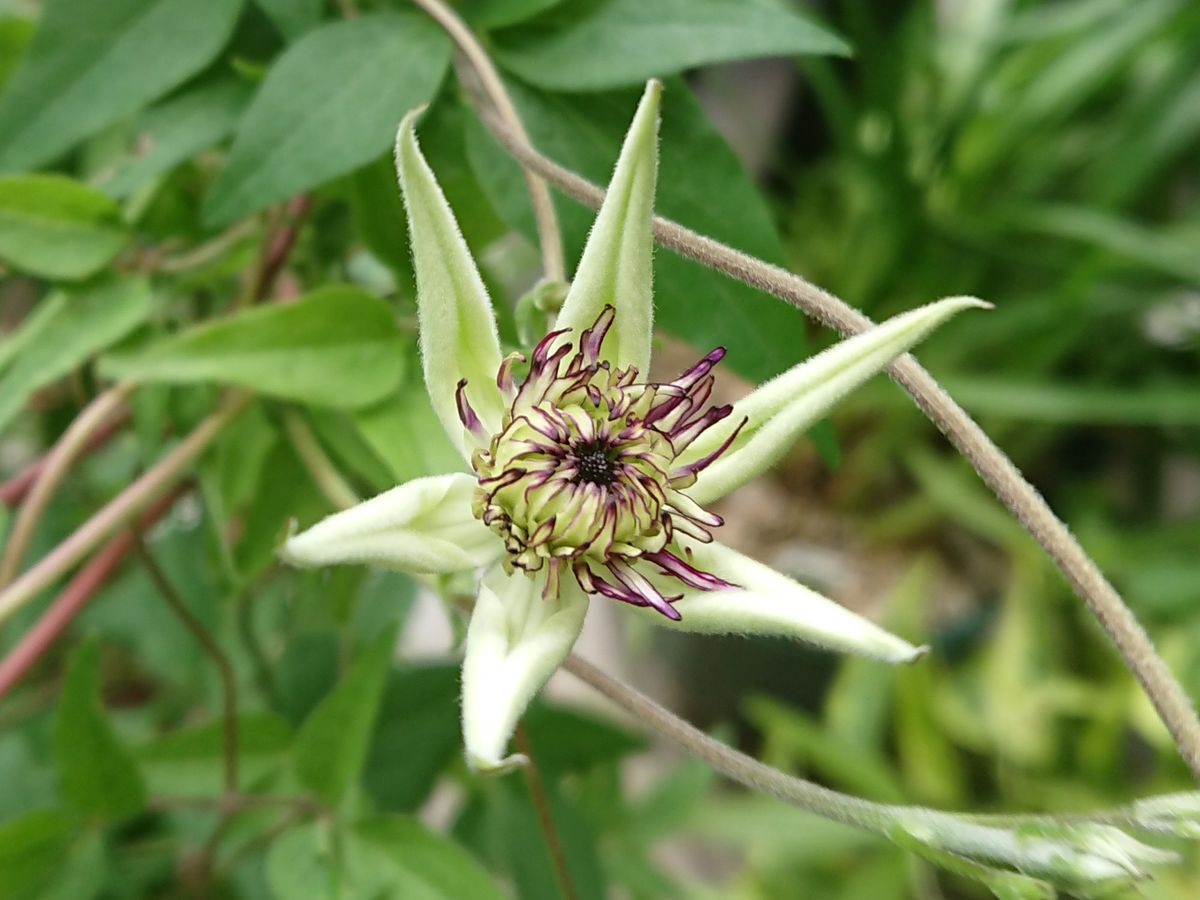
(398, 858)
(406, 434)
(93, 63)
(177, 130)
(615, 43)
(336, 346)
(331, 747)
(97, 775)
(32, 847)
(417, 735)
(189, 762)
(74, 326)
(487, 14)
(57, 228)
(566, 740)
(308, 125)
(292, 17)
(302, 865)
(1163, 404)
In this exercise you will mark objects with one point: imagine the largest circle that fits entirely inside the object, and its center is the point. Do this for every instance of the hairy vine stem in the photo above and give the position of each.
(994, 467)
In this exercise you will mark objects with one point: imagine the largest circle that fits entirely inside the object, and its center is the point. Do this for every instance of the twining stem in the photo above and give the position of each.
(210, 646)
(994, 467)
(121, 508)
(82, 587)
(549, 238)
(325, 476)
(541, 804)
(55, 467)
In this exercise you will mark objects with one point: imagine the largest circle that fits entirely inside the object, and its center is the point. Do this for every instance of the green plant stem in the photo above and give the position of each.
(328, 479)
(541, 804)
(210, 646)
(120, 509)
(994, 467)
(493, 91)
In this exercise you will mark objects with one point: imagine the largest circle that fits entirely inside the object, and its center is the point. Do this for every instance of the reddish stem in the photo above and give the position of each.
(89, 579)
(13, 491)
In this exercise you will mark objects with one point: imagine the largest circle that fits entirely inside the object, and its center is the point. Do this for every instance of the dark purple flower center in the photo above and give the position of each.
(595, 464)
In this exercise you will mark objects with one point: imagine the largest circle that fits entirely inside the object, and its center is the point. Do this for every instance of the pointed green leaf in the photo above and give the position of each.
(93, 63)
(32, 847)
(336, 346)
(457, 326)
(620, 42)
(332, 744)
(54, 227)
(615, 268)
(73, 326)
(97, 775)
(328, 105)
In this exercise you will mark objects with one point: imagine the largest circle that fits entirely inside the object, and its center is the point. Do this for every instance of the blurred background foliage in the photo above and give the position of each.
(156, 155)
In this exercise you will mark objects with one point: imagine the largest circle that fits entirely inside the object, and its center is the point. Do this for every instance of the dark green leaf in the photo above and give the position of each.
(1030, 401)
(32, 847)
(337, 346)
(613, 43)
(565, 740)
(292, 17)
(74, 326)
(417, 735)
(57, 228)
(92, 63)
(176, 130)
(330, 104)
(332, 744)
(487, 14)
(97, 775)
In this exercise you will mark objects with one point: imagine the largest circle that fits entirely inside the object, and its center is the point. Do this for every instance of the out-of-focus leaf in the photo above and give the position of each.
(97, 775)
(93, 63)
(303, 864)
(487, 14)
(1042, 401)
(292, 17)
(32, 848)
(621, 42)
(565, 740)
(308, 125)
(332, 744)
(1126, 240)
(397, 858)
(57, 228)
(379, 216)
(418, 733)
(337, 346)
(76, 325)
(15, 35)
(174, 131)
(189, 762)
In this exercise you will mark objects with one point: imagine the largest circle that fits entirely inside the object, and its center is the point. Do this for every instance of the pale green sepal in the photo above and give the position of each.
(783, 408)
(616, 264)
(766, 602)
(515, 642)
(456, 325)
(423, 526)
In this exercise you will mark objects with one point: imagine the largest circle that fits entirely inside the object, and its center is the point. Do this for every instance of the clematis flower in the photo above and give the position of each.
(583, 481)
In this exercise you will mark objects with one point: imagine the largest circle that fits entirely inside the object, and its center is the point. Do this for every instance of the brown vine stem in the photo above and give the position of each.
(994, 467)
(549, 238)
(57, 464)
(541, 804)
(120, 509)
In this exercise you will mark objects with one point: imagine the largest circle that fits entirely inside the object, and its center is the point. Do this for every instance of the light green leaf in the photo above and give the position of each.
(174, 131)
(32, 847)
(97, 775)
(621, 42)
(405, 433)
(54, 227)
(398, 858)
(457, 326)
(303, 865)
(93, 63)
(615, 268)
(329, 105)
(332, 744)
(337, 346)
(68, 329)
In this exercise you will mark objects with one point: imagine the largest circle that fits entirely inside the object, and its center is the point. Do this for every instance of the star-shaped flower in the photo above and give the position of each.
(585, 480)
